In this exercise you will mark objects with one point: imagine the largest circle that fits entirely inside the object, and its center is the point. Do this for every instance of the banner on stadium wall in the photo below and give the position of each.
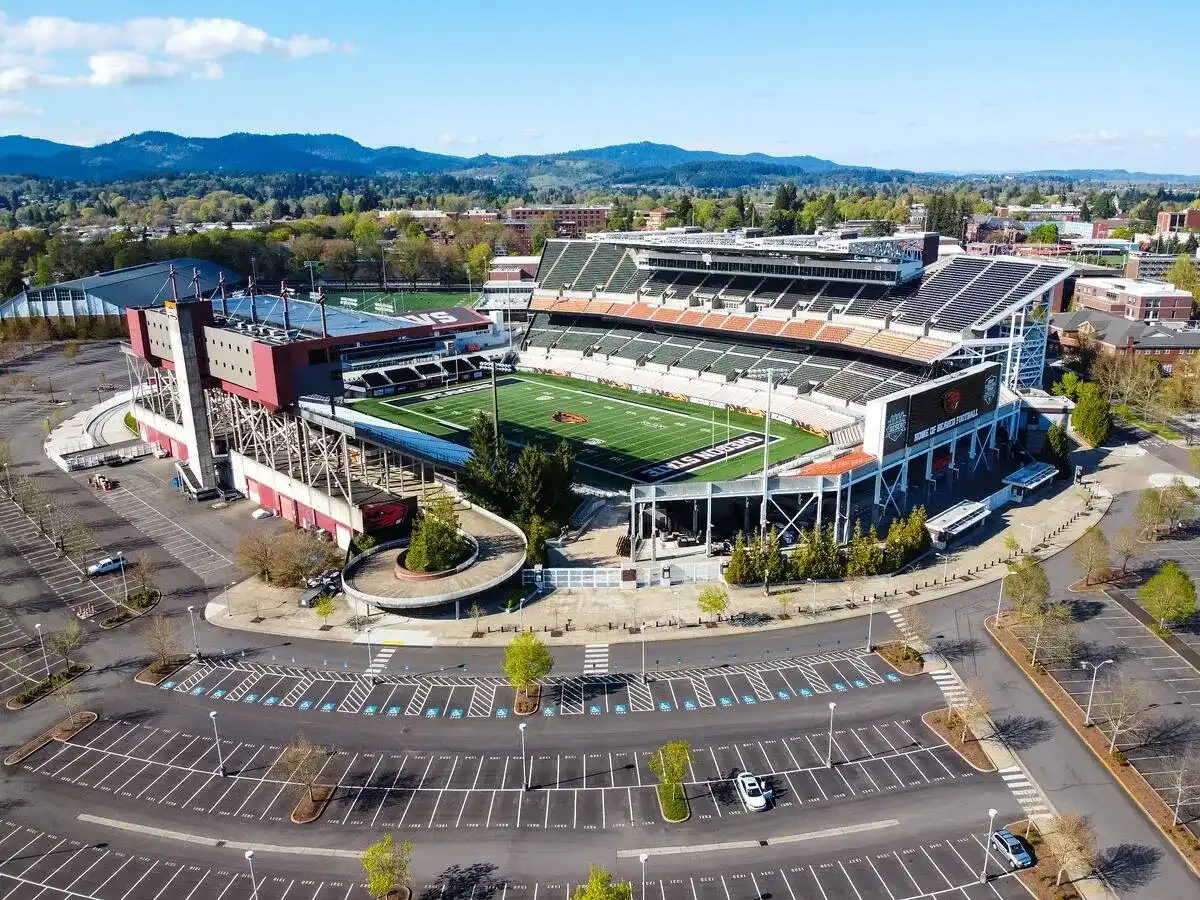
(748, 410)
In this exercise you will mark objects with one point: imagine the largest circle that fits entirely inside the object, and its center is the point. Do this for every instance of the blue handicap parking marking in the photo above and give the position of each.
(328, 707)
(621, 709)
(198, 690)
(502, 712)
(892, 676)
(783, 695)
(838, 686)
(432, 712)
(858, 682)
(306, 704)
(594, 709)
(167, 685)
(548, 711)
(689, 704)
(270, 701)
(749, 698)
(805, 692)
(393, 711)
(218, 694)
(456, 713)
(250, 698)
(664, 706)
(370, 710)
(727, 701)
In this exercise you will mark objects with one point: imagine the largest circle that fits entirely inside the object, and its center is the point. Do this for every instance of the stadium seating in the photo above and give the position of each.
(600, 267)
(550, 255)
(666, 314)
(740, 287)
(639, 279)
(684, 285)
(848, 385)
(625, 271)
(374, 380)
(657, 283)
(569, 266)
(944, 287)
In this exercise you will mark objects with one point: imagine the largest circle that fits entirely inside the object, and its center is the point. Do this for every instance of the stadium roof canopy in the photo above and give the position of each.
(111, 293)
(903, 246)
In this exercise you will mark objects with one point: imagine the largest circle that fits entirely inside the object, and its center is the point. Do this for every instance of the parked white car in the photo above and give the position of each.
(108, 564)
(261, 513)
(750, 790)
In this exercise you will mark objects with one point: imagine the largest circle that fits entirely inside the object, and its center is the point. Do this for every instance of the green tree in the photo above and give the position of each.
(526, 660)
(1092, 556)
(1067, 386)
(544, 229)
(1093, 415)
(487, 475)
(1170, 596)
(773, 563)
(1027, 586)
(342, 258)
(600, 886)
(1178, 500)
(1183, 275)
(738, 569)
(66, 641)
(1058, 448)
(1149, 513)
(536, 536)
(479, 258)
(324, 607)
(413, 257)
(386, 865)
(437, 543)
(1046, 233)
(713, 600)
(670, 764)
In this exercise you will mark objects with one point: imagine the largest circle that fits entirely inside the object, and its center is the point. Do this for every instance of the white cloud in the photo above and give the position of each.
(35, 51)
(10, 107)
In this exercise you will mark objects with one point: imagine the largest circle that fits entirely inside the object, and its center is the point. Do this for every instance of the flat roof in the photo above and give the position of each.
(1032, 476)
(304, 317)
(1134, 286)
(957, 515)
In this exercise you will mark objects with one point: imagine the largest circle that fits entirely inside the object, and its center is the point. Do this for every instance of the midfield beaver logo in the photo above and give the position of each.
(569, 418)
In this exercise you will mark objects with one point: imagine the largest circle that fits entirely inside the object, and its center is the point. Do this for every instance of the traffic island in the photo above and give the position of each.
(1128, 777)
(673, 803)
(63, 731)
(528, 700)
(946, 725)
(160, 670)
(1040, 877)
(310, 806)
(901, 657)
(46, 687)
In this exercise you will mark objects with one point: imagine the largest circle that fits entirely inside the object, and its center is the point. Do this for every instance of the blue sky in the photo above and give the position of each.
(918, 84)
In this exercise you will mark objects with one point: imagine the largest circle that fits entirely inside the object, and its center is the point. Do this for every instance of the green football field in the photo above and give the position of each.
(621, 435)
(394, 303)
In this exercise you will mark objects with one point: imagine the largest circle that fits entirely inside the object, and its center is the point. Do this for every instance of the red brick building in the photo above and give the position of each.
(571, 221)
(1141, 301)
(1184, 220)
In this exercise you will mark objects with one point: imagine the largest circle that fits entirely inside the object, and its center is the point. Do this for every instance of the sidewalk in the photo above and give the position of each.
(595, 616)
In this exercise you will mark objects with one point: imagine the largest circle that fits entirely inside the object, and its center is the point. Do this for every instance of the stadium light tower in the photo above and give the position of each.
(491, 365)
(769, 373)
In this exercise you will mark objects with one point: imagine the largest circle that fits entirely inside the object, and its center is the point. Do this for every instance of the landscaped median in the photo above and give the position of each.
(904, 659)
(947, 725)
(1126, 775)
(162, 669)
(46, 686)
(63, 731)
(1040, 878)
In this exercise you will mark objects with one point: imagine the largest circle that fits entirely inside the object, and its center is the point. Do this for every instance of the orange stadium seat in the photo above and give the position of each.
(620, 309)
(767, 326)
(691, 317)
(834, 334)
(666, 314)
(641, 311)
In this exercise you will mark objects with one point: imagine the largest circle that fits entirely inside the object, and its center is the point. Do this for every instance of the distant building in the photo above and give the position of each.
(1113, 334)
(1184, 220)
(1149, 266)
(571, 221)
(1103, 228)
(513, 268)
(657, 218)
(509, 285)
(1042, 212)
(1142, 301)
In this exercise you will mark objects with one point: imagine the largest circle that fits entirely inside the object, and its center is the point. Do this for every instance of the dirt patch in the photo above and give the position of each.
(158, 672)
(945, 724)
(308, 809)
(569, 418)
(1039, 878)
(901, 657)
(63, 731)
(1125, 775)
(528, 700)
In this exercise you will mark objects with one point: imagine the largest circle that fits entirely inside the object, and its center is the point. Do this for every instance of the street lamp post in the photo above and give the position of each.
(228, 608)
(370, 655)
(769, 373)
(987, 846)
(217, 740)
(1095, 667)
(829, 752)
(195, 636)
(1029, 528)
(253, 882)
(945, 558)
(524, 766)
(644, 627)
(1000, 599)
(870, 620)
(642, 859)
(42, 644)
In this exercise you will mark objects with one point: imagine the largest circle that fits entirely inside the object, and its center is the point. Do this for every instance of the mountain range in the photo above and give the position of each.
(158, 152)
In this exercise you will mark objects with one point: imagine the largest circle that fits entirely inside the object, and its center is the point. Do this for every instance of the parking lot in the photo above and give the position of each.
(452, 696)
(86, 597)
(424, 790)
(36, 865)
(1186, 552)
(21, 660)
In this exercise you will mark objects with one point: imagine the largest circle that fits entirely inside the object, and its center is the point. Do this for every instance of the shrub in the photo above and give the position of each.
(437, 544)
(674, 800)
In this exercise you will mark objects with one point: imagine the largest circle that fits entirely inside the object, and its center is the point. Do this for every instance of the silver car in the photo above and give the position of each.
(750, 790)
(108, 564)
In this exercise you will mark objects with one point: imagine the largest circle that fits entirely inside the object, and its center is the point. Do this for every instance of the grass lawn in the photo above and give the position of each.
(621, 434)
(1163, 431)
(399, 302)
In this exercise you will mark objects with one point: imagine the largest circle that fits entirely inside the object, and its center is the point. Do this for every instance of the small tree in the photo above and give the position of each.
(67, 696)
(1011, 545)
(1027, 586)
(1170, 596)
(160, 639)
(919, 629)
(670, 763)
(600, 886)
(78, 541)
(526, 660)
(1185, 781)
(1054, 633)
(1178, 502)
(324, 607)
(254, 553)
(738, 570)
(786, 600)
(1122, 707)
(476, 615)
(300, 763)
(1076, 844)
(66, 641)
(1092, 556)
(386, 865)
(1149, 513)
(1126, 545)
(973, 703)
(71, 350)
(143, 568)
(713, 601)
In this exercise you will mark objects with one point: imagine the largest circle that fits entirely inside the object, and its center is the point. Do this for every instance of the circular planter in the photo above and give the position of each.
(406, 574)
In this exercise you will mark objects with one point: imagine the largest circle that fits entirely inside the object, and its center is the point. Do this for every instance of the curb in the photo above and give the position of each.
(152, 679)
(13, 706)
(47, 737)
(961, 755)
(662, 812)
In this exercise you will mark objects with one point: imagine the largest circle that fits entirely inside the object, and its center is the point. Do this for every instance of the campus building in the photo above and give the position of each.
(570, 220)
(1183, 220)
(1142, 301)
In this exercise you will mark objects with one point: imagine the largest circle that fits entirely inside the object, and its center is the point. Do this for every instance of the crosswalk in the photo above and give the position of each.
(902, 626)
(1027, 794)
(952, 689)
(595, 659)
(381, 660)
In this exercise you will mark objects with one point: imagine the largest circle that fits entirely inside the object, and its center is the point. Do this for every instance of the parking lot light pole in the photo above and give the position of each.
(42, 644)
(1029, 528)
(829, 752)
(642, 859)
(253, 882)
(228, 608)
(195, 636)
(945, 558)
(987, 846)
(1000, 599)
(643, 629)
(1095, 667)
(217, 740)
(870, 620)
(524, 767)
